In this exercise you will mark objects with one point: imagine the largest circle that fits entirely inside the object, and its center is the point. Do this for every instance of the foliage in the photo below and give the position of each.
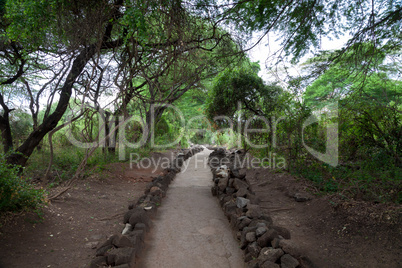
(240, 85)
(302, 24)
(16, 193)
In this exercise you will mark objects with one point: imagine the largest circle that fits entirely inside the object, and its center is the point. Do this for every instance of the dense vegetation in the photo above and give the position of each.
(82, 68)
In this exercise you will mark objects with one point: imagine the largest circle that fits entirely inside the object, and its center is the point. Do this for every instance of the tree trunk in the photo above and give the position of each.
(5, 129)
(49, 123)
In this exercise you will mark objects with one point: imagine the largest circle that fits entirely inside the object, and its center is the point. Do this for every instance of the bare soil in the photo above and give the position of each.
(330, 231)
(71, 227)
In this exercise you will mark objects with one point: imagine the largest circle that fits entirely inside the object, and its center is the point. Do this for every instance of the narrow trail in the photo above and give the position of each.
(190, 229)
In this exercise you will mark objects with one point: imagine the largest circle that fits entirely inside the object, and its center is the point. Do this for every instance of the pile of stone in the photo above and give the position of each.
(122, 250)
(264, 244)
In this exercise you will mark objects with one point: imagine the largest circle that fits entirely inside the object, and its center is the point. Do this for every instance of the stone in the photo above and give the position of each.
(248, 257)
(261, 224)
(254, 249)
(269, 264)
(253, 264)
(91, 245)
(222, 184)
(101, 251)
(282, 231)
(230, 190)
(127, 228)
(244, 222)
(139, 234)
(226, 198)
(123, 241)
(270, 254)
(250, 237)
(253, 211)
(287, 261)
(289, 247)
(301, 197)
(243, 240)
(156, 199)
(139, 216)
(275, 243)
(267, 219)
(235, 173)
(230, 208)
(242, 192)
(140, 226)
(241, 202)
(122, 266)
(267, 237)
(98, 262)
(237, 184)
(119, 256)
(261, 230)
(214, 190)
(156, 191)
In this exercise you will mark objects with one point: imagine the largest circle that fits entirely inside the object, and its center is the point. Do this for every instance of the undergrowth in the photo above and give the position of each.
(16, 192)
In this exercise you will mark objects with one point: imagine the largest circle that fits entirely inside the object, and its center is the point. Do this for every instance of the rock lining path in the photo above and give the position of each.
(190, 229)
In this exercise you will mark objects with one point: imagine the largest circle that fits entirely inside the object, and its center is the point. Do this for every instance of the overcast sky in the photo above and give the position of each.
(264, 54)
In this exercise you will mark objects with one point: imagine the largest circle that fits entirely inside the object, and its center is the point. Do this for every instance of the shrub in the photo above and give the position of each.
(16, 193)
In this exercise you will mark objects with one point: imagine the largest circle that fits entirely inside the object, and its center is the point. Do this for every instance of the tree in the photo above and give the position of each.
(153, 51)
(300, 25)
(370, 104)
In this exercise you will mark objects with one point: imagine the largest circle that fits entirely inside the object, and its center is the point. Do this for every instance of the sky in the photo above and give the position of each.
(263, 52)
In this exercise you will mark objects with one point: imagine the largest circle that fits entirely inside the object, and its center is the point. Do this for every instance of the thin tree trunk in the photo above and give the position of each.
(26, 149)
(50, 135)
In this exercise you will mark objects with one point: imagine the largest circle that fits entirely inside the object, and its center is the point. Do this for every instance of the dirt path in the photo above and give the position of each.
(75, 224)
(190, 229)
(348, 235)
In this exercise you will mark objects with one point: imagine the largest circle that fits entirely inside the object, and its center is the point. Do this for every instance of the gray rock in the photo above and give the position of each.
(123, 241)
(301, 197)
(253, 264)
(282, 231)
(122, 266)
(275, 242)
(140, 226)
(243, 240)
(250, 237)
(119, 256)
(270, 254)
(98, 262)
(242, 192)
(253, 211)
(230, 190)
(289, 247)
(287, 261)
(243, 223)
(241, 202)
(156, 191)
(260, 231)
(269, 264)
(239, 184)
(254, 249)
(222, 184)
(267, 237)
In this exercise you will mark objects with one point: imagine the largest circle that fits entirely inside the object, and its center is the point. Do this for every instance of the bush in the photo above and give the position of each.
(16, 193)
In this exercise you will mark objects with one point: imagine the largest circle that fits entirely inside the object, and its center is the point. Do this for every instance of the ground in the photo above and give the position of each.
(71, 226)
(330, 231)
